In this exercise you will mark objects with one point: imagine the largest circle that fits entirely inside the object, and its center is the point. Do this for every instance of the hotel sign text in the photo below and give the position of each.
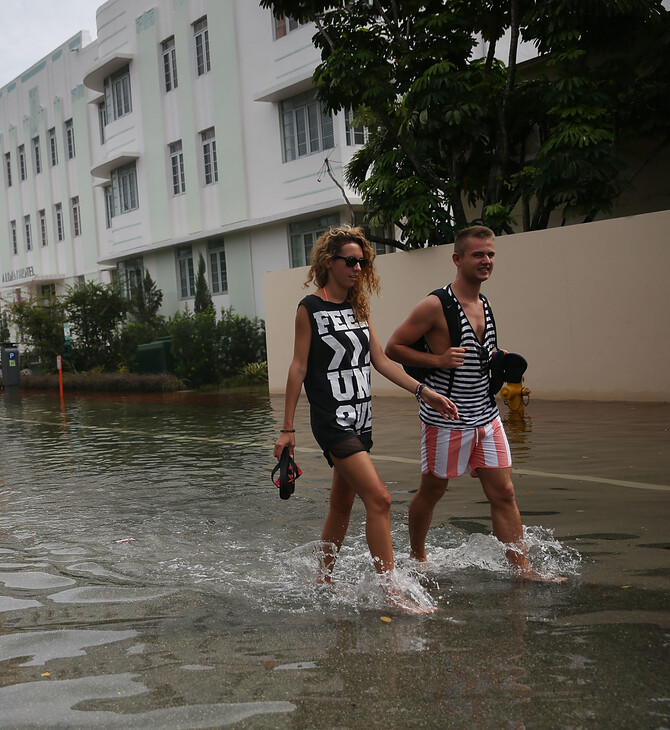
(18, 274)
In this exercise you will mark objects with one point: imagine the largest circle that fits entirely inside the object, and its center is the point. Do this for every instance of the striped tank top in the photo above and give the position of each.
(470, 389)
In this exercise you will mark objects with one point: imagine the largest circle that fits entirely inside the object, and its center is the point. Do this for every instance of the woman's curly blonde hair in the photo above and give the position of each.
(329, 245)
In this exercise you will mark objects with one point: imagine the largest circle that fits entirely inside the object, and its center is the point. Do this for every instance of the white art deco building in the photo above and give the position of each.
(186, 127)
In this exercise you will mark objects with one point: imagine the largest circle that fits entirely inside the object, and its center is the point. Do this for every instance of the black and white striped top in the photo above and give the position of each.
(470, 389)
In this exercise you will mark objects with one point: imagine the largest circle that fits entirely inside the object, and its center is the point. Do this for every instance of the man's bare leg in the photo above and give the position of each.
(505, 517)
(431, 490)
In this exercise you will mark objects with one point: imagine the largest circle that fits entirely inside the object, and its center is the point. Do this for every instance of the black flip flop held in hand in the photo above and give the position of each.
(289, 471)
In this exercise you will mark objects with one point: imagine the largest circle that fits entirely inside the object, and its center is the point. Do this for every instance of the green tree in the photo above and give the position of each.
(455, 138)
(39, 322)
(95, 311)
(4, 326)
(203, 298)
(145, 304)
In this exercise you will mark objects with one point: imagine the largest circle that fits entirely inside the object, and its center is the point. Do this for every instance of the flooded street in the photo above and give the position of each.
(150, 576)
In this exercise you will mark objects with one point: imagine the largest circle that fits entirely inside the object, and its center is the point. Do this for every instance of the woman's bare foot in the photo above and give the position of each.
(419, 557)
(532, 577)
(398, 600)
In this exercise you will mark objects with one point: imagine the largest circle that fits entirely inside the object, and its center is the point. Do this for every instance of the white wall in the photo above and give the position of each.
(586, 305)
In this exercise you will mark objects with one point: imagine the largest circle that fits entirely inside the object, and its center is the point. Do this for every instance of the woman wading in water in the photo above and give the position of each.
(334, 348)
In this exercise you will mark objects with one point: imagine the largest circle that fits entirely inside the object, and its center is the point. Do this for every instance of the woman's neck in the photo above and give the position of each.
(333, 293)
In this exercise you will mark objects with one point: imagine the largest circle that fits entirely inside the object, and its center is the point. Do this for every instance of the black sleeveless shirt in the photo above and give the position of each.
(338, 373)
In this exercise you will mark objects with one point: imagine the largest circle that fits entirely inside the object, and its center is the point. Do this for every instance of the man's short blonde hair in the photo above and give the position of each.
(461, 241)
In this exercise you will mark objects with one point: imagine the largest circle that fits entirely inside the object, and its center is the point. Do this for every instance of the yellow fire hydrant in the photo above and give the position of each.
(515, 396)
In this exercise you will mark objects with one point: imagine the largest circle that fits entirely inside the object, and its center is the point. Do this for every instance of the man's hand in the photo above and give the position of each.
(454, 357)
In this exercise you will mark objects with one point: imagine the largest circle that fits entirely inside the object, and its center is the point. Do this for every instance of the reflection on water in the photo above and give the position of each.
(151, 577)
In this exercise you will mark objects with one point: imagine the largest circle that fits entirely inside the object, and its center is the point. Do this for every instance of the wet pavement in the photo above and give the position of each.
(150, 576)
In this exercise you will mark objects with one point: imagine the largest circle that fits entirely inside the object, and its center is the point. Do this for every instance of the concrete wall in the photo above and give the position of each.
(586, 305)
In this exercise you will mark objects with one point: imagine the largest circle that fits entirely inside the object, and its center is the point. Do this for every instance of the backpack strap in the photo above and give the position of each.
(493, 321)
(451, 314)
(453, 317)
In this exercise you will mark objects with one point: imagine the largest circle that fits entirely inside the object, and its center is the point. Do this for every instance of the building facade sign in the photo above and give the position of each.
(24, 273)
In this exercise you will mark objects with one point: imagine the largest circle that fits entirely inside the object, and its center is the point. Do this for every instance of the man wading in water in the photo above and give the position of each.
(477, 441)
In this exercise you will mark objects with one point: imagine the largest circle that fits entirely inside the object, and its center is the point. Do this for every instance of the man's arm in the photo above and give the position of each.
(426, 319)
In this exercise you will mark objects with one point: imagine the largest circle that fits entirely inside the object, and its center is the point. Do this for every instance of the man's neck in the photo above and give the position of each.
(466, 291)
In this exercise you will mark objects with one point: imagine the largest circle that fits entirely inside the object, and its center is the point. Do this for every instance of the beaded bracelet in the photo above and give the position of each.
(419, 390)
(287, 430)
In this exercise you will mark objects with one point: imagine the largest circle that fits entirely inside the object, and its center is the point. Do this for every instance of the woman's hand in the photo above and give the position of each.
(440, 403)
(285, 439)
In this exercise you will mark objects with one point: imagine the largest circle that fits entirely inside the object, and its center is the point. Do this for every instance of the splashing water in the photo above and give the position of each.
(547, 555)
(286, 578)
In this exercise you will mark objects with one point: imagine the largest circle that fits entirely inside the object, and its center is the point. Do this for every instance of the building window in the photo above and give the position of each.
(43, 227)
(22, 162)
(303, 236)
(283, 26)
(109, 206)
(48, 291)
(357, 134)
(117, 95)
(37, 156)
(217, 267)
(185, 272)
(29, 233)
(129, 274)
(169, 64)
(53, 147)
(306, 128)
(69, 139)
(177, 167)
(121, 195)
(13, 238)
(201, 46)
(58, 214)
(209, 156)
(76, 216)
(8, 169)
(102, 120)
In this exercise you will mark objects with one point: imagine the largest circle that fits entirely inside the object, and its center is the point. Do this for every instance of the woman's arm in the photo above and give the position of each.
(397, 375)
(296, 375)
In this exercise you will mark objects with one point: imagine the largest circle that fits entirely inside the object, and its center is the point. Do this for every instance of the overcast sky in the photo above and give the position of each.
(31, 29)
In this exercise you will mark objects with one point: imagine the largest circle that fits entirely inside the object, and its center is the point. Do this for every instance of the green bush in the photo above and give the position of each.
(207, 351)
(194, 347)
(241, 341)
(40, 325)
(255, 372)
(131, 335)
(95, 312)
(114, 382)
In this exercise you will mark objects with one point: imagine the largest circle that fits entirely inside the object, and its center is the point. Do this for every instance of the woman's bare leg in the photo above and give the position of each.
(359, 473)
(337, 521)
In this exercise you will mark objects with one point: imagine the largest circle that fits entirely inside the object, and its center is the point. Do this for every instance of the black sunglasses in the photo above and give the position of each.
(484, 359)
(351, 261)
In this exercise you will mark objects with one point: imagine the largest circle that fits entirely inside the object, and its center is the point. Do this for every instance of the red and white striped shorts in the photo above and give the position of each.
(448, 452)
